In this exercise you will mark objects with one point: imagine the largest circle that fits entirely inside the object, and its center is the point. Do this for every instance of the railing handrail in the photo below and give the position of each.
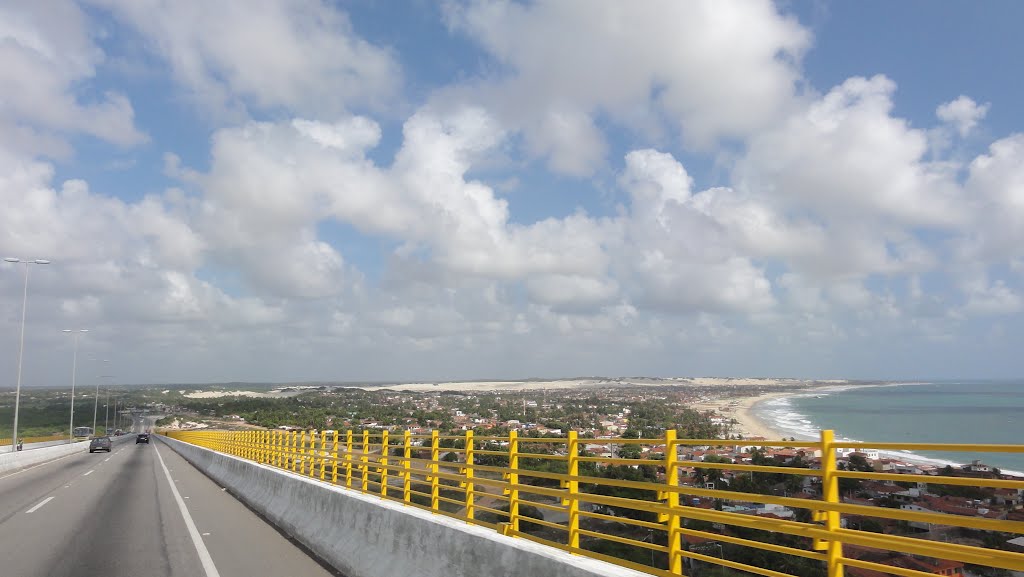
(466, 488)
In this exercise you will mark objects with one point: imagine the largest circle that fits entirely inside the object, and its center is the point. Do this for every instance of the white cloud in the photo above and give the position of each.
(995, 184)
(270, 185)
(300, 55)
(569, 292)
(846, 157)
(683, 257)
(302, 251)
(47, 53)
(992, 299)
(963, 114)
(711, 69)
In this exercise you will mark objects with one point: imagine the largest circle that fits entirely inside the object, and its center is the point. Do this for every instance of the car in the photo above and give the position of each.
(100, 444)
(142, 438)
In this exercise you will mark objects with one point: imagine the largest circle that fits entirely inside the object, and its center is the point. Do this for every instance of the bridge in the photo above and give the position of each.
(381, 503)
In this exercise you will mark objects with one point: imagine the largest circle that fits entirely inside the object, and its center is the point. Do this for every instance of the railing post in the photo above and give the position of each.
(334, 459)
(279, 449)
(302, 455)
(384, 464)
(513, 481)
(311, 453)
(435, 489)
(574, 487)
(675, 560)
(470, 508)
(407, 467)
(348, 458)
(364, 459)
(323, 455)
(295, 450)
(272, 448)
(830, 494)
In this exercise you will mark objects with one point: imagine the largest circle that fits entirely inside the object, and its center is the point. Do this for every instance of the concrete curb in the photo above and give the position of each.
(21, 459)
(364, 536)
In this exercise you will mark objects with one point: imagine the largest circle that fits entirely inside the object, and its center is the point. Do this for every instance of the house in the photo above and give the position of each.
(927, 565)
(1009, 497)
(977, 466)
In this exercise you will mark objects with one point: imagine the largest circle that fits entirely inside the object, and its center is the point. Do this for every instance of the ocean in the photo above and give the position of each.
(934, 412)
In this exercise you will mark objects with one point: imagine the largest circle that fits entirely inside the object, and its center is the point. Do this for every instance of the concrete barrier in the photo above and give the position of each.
(364, 536)
(20, 459)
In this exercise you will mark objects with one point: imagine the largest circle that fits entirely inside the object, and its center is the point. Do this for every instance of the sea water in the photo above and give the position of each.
(936, 412)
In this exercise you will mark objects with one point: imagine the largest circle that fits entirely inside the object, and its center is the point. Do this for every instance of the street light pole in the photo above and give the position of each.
(95, 406)
(74, 372)
(21, 346)
(96, 401)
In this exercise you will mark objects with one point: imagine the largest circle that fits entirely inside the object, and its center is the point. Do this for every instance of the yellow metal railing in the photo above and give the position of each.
(27, 440)
(503, 482)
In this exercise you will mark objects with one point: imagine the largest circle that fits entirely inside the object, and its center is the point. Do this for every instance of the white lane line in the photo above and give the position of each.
(197, 540)
(41, 503)
(107, 459)
(91, 471)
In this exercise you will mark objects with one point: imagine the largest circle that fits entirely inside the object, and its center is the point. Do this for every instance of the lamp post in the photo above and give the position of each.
(74, 372)
(21, 346)
(96, 400)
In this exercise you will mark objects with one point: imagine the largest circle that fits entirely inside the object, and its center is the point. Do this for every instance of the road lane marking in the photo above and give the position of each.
(197, 540)
(107, 459)
(41, 503)
(91, 471)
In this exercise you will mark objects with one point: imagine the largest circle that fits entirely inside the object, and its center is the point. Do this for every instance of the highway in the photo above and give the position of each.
(140, 510)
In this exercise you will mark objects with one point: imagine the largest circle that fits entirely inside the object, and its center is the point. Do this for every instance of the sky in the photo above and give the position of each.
(308, 190)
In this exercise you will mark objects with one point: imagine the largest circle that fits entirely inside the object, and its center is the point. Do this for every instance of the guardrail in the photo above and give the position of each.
(552, 491)
(27, 440)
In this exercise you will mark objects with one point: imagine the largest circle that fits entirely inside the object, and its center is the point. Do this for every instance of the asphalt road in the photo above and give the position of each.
(122, 514)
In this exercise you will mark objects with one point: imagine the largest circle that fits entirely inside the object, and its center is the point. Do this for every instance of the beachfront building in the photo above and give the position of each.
(869, 454)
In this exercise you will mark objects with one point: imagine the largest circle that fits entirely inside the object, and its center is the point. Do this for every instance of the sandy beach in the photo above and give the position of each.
(742, 410)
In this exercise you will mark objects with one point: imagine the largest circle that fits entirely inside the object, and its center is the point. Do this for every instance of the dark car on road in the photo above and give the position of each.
(142, 438)
(99, 444)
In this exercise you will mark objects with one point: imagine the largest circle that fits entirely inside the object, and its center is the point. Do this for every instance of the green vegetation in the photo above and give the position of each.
(39, 417)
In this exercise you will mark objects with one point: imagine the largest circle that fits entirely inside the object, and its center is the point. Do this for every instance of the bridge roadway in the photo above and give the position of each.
(119, 514)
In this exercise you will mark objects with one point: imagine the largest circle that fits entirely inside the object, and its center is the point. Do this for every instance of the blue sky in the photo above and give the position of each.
(305, 190)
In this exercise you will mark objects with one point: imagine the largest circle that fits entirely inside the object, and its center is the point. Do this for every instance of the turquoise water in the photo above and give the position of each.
(938, 412)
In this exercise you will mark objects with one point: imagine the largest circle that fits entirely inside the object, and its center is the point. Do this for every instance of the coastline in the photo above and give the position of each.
(750, 424)
(742, 409)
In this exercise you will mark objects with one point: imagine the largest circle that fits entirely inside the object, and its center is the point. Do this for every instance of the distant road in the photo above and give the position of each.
(111, 515)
